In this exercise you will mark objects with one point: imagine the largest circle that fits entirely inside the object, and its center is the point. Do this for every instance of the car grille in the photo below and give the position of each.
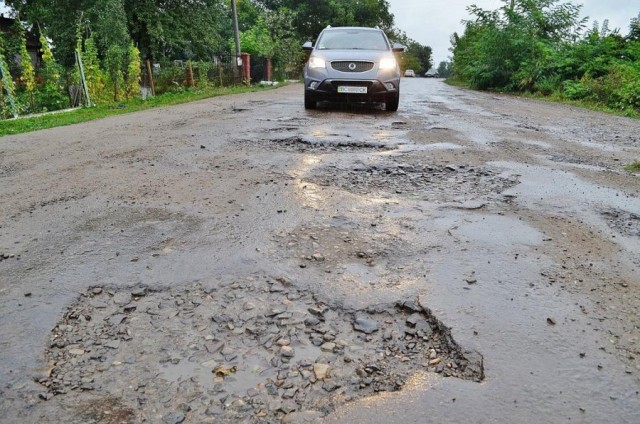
(352, 66)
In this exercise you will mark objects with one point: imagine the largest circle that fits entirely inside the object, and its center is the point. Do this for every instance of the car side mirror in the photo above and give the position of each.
(308, 46)
(397, 47)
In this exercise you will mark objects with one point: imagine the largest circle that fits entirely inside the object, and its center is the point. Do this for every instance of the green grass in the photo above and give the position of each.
(76, 116)
(586, 104)
(555, 98)
(633, 167)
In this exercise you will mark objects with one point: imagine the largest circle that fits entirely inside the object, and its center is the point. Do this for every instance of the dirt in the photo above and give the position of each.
(472, 257)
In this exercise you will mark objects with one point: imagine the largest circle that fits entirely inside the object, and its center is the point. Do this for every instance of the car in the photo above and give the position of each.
(352, 64)
(431, 74)
(409, 73)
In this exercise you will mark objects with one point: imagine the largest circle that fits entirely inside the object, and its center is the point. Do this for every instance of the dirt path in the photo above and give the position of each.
(471, 258)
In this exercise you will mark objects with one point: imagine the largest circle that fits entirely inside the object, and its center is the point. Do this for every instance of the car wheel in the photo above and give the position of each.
(310, 101)
(391, 103)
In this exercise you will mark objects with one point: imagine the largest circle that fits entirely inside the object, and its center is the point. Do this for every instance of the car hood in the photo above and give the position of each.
(352, 54)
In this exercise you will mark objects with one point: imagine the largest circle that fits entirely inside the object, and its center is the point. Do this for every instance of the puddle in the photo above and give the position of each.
(574, 199)
(428, 147)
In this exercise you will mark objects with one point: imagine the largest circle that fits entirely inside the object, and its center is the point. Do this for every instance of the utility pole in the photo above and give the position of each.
(236, 31)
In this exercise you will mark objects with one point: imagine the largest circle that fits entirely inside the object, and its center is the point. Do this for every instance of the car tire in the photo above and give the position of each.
(310, 101)
(392, 102)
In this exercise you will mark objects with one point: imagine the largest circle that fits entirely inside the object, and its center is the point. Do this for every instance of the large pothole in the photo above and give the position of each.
(423, 181)
(250, 351)
(325, 144)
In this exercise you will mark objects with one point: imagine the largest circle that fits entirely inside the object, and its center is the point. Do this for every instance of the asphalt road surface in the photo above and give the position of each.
(471, 258)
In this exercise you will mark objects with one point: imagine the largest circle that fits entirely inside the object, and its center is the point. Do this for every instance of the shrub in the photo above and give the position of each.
(621, 86)
(576, 90)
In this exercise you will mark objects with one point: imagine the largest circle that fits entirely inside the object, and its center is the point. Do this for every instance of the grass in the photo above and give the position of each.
(633, 167)
(76, 116)
(555, 98)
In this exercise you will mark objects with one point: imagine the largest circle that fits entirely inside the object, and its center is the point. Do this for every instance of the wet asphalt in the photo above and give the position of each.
(513, 219)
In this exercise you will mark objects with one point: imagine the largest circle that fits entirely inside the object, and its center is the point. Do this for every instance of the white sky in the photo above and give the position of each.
(431, 22)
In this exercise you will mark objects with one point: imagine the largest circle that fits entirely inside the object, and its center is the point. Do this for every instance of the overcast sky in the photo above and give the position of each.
(431, 22)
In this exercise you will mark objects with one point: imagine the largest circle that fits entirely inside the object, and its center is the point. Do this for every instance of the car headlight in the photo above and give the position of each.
(316, 62)
(388, 64)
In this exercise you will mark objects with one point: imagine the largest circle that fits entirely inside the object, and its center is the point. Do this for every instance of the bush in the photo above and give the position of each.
(548, 85)
(576, 90)
(621, 86)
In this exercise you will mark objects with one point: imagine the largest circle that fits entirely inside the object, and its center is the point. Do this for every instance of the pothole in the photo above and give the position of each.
(250, 351)
(624, 222)
(329, 144)
(423, 181)
(575, 160)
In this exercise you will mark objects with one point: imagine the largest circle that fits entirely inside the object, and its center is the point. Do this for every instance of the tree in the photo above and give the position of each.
(161, 29)
(416, 56)
(444, 69)
(634, 29)
(113, 38)
(311, 17)
(187, 29)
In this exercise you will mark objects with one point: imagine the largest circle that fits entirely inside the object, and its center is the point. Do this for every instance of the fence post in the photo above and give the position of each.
(191, 82)
(246, 68)
(268, 66)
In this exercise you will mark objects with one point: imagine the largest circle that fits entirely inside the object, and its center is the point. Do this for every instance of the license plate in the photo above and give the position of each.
(351, 89)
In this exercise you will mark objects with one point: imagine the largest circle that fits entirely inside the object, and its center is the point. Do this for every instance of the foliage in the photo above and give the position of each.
(202, 69)
(257, 40)
(310, 17)
(113, 38)
(134, 73)
(444, 69)
(409, 61)
(7, 86)
(103, 32)
(27, 74)
(416, 56)
(93, 73)
(633, 167)
(51, 94)
(540, 46)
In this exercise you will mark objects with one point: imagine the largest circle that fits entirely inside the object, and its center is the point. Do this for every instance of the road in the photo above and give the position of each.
(473, 257)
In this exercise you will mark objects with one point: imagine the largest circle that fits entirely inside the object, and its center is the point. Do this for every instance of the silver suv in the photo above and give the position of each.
(352, 64)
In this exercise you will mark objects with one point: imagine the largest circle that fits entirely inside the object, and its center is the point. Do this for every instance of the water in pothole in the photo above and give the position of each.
(236, 377)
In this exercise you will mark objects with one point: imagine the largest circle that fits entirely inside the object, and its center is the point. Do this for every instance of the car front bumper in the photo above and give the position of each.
(328, 89)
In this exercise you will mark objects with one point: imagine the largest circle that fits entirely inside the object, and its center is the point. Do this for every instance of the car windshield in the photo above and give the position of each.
(350, 39)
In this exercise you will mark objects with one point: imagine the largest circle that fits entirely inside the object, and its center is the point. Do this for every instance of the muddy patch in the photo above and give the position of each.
(9, 169)
(326, 144)
(251, 351)
(420, 181)
(338, 246)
